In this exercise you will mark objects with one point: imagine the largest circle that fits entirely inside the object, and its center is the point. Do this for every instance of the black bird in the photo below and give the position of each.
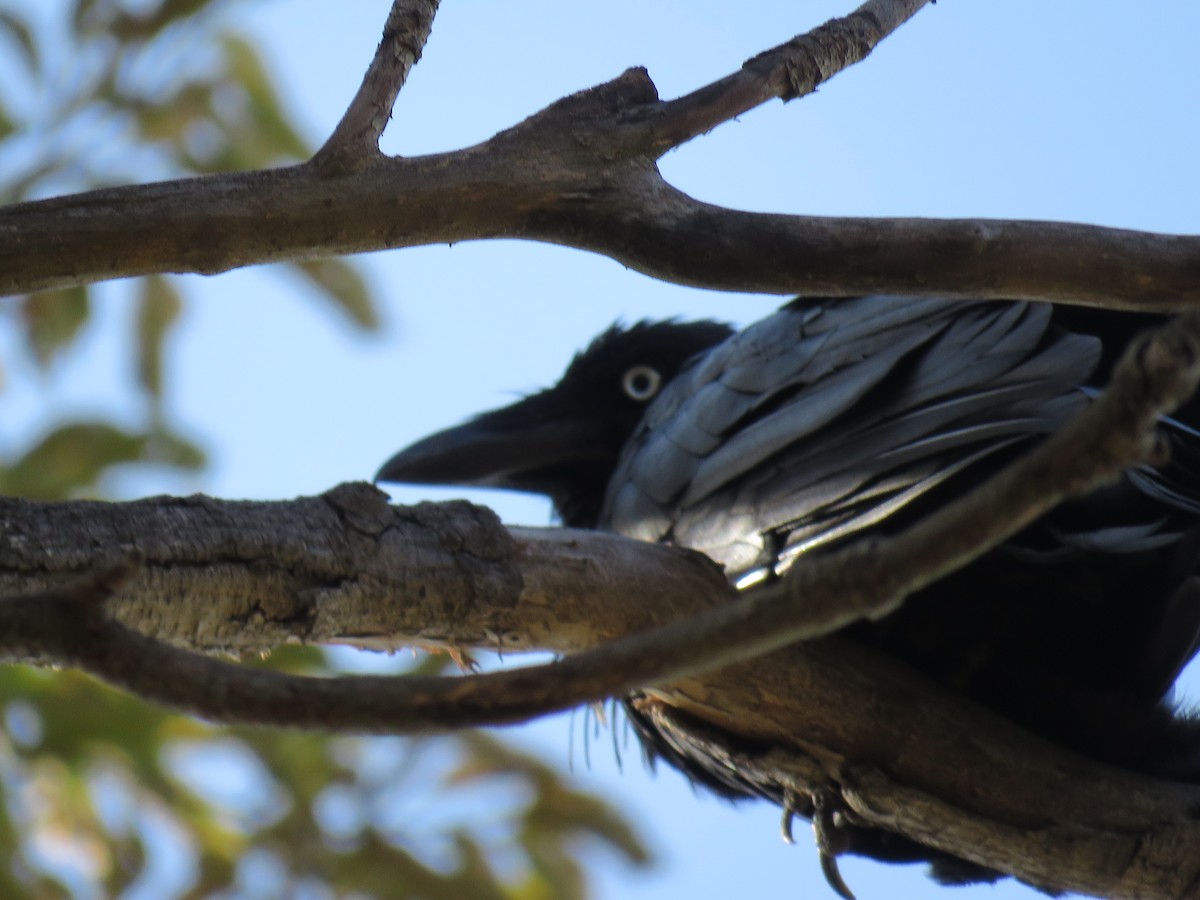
(833, 420)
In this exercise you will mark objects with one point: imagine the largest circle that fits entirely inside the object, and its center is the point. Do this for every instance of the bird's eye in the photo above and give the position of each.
(640, 383)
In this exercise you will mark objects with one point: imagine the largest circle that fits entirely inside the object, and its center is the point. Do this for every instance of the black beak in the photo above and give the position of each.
(508, 448)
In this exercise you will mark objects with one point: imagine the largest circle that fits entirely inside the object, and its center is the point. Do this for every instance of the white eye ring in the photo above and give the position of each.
(640, 383)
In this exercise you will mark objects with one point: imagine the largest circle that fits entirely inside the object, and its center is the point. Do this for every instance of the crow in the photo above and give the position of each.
(838, 419)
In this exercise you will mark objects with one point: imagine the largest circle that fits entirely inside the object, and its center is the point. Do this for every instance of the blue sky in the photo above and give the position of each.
(989, 108)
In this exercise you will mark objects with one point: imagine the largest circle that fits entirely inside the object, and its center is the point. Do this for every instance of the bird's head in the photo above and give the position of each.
(564, 441)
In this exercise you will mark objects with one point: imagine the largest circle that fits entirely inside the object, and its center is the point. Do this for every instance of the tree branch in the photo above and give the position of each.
(346, 567)
(863, 720)
(63, 624)
(788, 71)
(904, 756)
(355, 140)
(818, 597)
(581, 173)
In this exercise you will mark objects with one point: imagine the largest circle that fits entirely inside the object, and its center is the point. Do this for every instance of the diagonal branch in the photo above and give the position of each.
(355, 140)
(867, 579)
(788, 71)
(1158, 372)
(940, 770)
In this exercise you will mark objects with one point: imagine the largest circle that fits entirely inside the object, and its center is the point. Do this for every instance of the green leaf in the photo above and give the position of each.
(170, 122)
(73, 457)
(18, 29)
(69, 459)
(7, 125)
(159, 305)
(53, 320)
(169, 449)
(341, 282)
(557, 813)
(141, 26)
(273, 134)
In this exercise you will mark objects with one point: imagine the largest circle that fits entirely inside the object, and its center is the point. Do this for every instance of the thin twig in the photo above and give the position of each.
(356, 138)
(788, 71)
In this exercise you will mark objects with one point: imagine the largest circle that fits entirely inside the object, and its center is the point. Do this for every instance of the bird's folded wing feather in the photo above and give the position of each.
(826, 418)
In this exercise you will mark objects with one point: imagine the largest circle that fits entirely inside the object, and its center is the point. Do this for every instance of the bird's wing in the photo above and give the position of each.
(826, 418)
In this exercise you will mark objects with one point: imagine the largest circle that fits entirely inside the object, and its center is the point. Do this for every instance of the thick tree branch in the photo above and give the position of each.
(64, 624)
(67, 625)
(820, 596)
(581, 173)
(355, 141)
(942, 771)
(346, 567)
(853, 714)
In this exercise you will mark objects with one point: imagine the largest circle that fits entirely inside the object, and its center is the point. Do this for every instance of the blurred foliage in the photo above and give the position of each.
(101, 92)
(101, 794)
(102, 790)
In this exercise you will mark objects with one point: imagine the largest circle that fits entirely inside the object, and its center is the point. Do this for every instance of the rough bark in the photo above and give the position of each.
(242, 577)
(347, 568)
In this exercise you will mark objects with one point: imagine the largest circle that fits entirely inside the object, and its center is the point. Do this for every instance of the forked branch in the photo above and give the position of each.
(581, 173)
(355, 140)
